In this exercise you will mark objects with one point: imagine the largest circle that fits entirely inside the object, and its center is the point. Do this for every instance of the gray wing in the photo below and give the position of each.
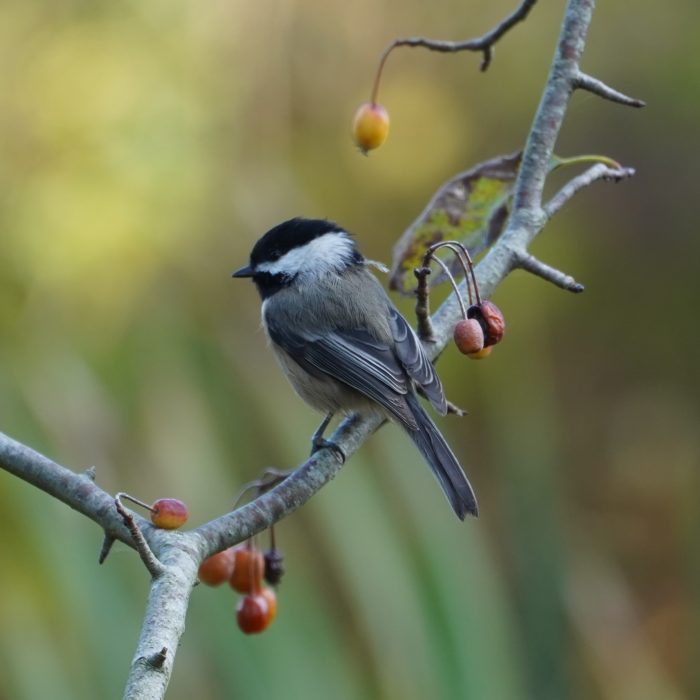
(411, 354)
(356, 359)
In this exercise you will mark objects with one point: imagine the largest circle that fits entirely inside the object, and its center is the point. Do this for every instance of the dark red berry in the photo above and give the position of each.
(491, 321)
(274, 566)
(253, 613)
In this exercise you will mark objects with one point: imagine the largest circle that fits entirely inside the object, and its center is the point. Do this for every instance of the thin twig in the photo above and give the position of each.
(484, 44)
(155, 568)
(424, 326)
(530, 263)
(106, 548)
(599, 171)
(583, 81)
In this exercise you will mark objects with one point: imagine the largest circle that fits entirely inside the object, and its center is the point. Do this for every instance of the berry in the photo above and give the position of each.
(469, 336)
(491, 320)
(274, 566)
(370, 126)
(248, 568)
(482, 354)
(216, 569)
(271, 598)
(169, 513)
(253, 613)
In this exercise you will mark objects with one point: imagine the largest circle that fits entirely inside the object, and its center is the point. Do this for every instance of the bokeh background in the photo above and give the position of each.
(144, 146)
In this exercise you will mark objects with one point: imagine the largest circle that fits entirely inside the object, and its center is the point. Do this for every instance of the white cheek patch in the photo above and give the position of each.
(323, 254)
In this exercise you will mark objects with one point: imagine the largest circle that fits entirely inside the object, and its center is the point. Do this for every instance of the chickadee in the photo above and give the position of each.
(342, 343)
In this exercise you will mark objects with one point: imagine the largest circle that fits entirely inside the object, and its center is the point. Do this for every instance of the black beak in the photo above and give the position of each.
(246, 271)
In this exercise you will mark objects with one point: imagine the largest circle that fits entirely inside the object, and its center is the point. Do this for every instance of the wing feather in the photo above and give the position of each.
(355, 358)
(412, 356)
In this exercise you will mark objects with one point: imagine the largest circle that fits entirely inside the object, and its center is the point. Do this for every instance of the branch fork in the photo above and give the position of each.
(151, 562)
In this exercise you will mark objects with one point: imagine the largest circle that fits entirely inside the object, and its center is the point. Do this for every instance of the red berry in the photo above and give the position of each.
(216, 569)
(468, 336)
(169, 513)
(253, 614)
(370, 126)
(248, 569)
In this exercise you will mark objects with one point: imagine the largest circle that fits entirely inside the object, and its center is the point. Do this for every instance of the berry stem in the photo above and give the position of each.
(446, 270)
(271, 477)
(152, 563)
(465, 260)
(470, 263)
(126, 496)
(457, 252)
(558, 161)
(378, 76)
(461, 252)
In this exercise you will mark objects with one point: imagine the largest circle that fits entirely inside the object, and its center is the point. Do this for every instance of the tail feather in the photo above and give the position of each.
(442, 461)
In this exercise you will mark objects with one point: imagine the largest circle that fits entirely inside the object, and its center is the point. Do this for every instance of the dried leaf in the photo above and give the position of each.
(472, 208)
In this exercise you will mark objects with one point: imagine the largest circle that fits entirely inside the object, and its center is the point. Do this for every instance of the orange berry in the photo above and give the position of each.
(216, 569)
(483, 353)
(248, 569)
(253, 614)
(370, 126)
(271, 598)
(468, 336)
(169, 513)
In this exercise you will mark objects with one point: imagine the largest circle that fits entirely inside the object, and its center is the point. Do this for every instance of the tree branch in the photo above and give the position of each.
(163, 624)
(289, 495)
(530, 263)
(79, 491)
(181, 552)
(548, 119)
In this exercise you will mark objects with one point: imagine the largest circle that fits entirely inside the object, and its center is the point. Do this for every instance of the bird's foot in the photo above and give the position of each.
(320, 443)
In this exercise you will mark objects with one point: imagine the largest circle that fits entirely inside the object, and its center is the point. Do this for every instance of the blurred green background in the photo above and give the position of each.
(144, 146)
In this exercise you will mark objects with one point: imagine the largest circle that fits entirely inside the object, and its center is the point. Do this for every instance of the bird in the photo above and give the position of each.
(344, 346)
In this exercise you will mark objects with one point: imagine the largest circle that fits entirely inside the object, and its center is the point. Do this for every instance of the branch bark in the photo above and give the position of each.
(180, 553)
